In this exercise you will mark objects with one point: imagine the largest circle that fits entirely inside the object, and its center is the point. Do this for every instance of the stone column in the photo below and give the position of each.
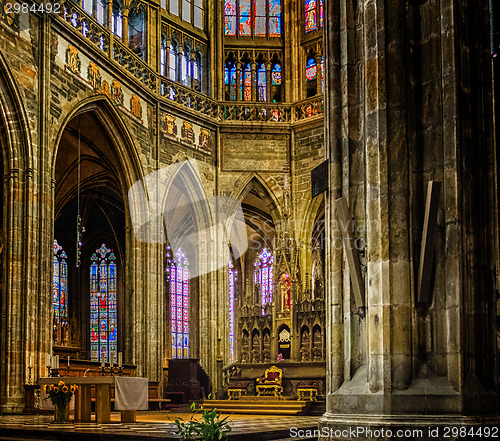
(383, 148)
(252, 80)
(238, 81)
(126, 10)
(268, 81)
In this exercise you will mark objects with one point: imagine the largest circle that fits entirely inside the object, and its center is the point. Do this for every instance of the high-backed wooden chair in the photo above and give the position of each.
(271, 382)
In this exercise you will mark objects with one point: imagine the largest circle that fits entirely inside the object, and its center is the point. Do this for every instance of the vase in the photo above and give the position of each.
(61, 414)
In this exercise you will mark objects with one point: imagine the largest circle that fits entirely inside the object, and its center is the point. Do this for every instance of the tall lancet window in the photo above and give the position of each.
(232, 291)
(103, 316)
(178, 277)
(313, 15)
(263, 277)
(59, 295)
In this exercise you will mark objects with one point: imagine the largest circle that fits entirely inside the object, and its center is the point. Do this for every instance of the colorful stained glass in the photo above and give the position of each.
(232, 291)
(230, 17)
(178, 277)
(260, 18)
(103, 305)
(311, 69)
(262, 83)
(230, 80)
(263, 277)
(320, 13)
(276, 75)
(59, 294)
(245, 18)
(275, 18)
(246, 83)
(322, 74)
(172, 63)
(310, 10)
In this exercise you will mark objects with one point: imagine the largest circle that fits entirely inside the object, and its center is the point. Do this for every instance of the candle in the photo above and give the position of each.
(48, 360)
(102, 362)
(120, 359)
(30, 361)
(68, 360)
(111, 358)
(57, 361)
(53, 362)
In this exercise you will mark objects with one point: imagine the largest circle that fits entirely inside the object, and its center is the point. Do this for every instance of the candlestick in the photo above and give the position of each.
(30, 378)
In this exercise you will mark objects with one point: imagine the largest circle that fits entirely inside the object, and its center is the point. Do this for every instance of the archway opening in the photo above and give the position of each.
(88, 184)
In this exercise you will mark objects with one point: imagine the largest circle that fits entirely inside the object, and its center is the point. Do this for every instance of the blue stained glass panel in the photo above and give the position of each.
(245, 18)
(262, 83)
(59, 294)
(103, 305)
(275, 18)
(178, 277)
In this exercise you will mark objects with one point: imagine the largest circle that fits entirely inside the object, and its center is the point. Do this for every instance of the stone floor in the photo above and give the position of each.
(150, 426)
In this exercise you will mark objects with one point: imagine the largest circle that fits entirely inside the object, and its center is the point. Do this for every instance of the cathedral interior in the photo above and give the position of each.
(213, 188)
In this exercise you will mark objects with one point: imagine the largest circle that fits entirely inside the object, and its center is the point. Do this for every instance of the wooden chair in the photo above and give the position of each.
(271, 382)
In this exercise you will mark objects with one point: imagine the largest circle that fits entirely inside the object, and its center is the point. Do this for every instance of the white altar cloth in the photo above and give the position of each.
(131, 393)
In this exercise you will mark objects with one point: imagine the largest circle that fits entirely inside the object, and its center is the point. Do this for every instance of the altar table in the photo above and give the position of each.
(131, 394)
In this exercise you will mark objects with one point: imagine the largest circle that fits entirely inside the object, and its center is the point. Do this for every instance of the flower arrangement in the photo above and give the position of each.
(60, 395)
(280, 358)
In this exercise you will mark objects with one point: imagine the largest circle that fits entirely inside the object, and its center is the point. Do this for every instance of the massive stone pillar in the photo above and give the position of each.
(408, 101)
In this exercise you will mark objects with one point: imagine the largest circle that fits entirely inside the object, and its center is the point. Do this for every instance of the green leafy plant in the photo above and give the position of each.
(209, 428)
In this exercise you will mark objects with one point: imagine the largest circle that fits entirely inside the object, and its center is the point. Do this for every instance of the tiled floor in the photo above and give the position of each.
(150, 425)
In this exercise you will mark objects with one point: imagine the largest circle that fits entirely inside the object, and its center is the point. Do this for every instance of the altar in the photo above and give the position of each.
(131, 394)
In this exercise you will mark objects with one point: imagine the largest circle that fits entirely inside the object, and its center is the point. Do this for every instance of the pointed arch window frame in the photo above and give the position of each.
(263, 277)
(177, 271)
(103, 304)
(60, 292)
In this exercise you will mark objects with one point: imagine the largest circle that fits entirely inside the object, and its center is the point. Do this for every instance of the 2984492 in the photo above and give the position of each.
(17, 8)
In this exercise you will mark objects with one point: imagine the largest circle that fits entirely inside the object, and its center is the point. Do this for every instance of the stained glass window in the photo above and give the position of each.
(172, 63)
(59, 294)
(313, 15)
(117, 20)
(263, 277)
(276, 75)
(232, 290)
(163, 58)
(262, 83)
(174, 7)
(198, 13)
(230, 80)
(259, 18)
(245, 17)
(311, 69)
(178, 277)
(185, 68)
(322, 74)
(103, 312)
(246, 83)
(274, 18)
(230, 17)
